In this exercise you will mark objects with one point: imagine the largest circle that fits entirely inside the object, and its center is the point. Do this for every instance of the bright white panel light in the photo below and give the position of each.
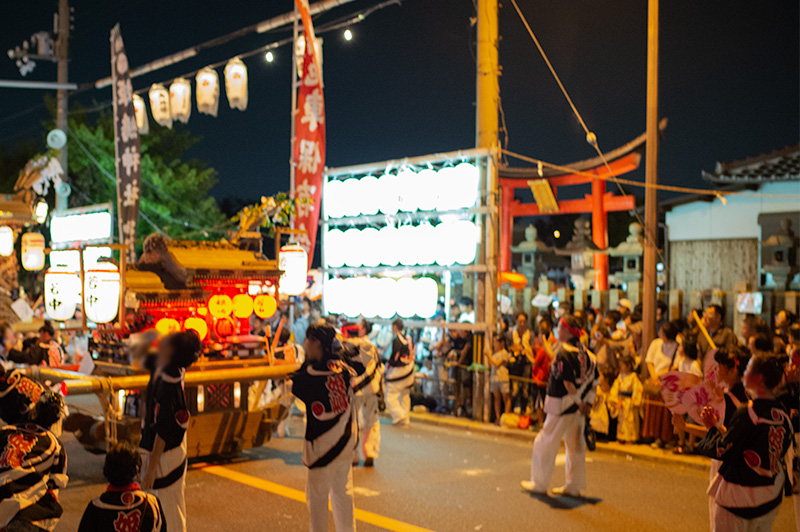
(426, 244)
(351, 197)
(352, 248)
(334, 248)
(368, 194)
(354, 296)
(427, 294)
(466, 234)
(448, 182)
(333, 199)
(388, 243)
(89, 227)
(371, 248)
(388, 198)
(407, 190)
(386, 293)
(332, 296)
(428, 183)
(408, 245)
(466, 192)
(406, 301)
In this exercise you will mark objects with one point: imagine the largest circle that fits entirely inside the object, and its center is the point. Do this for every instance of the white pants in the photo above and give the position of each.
(713, 471)
(334, 480)
(724, 521)
(398, 403)
(369, 425)
(545, 448)
(173, 501)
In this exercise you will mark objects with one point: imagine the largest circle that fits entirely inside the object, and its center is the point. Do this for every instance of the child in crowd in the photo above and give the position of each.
(687, 356)
(599, 418)
(499, 380)
(123, 506)
(625, 401)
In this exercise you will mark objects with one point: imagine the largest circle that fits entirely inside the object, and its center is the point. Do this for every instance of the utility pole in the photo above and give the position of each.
(651, 177)
(487, 90)
(62, 101)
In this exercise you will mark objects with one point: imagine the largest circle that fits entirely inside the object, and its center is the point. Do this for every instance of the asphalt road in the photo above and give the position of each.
(431, 477)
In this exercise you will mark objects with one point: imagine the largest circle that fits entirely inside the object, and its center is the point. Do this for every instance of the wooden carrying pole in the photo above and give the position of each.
(651, 177)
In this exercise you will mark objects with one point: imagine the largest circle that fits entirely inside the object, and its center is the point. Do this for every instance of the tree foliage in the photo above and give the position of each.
(174, 192)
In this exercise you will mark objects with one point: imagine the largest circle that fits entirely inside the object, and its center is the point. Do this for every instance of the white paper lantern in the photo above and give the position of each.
(466, 192)
(140, 111)
(293, 260)
(407, 245)
(386, 294)
(368, 194)
(371, 249)
(426, 244)
(6, 241)
(333, 199)
(101, 301)
(448, 183)
(334, 248)
(466, 234)
(352, 248)
(159, 105)
(180, 100)
(406, 297)
(207, 91)
(388, 194)
(236, 84)
(388, 242)
(62, 290)
(32, 251)
(427, 295)
(350, 197)
(357, 293)
(407, 190)
(428, 198)
(332, 296)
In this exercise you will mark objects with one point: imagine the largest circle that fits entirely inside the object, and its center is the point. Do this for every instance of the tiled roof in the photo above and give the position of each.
(220, 259)
(779, 165)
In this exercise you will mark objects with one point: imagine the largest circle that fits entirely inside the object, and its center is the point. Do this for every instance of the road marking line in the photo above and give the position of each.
(296, 495)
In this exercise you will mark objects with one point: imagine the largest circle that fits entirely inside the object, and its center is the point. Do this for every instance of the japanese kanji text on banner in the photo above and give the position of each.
(126, 144)
(309, 144)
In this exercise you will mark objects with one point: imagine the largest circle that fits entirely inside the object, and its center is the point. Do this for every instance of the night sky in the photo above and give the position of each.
(405, 84)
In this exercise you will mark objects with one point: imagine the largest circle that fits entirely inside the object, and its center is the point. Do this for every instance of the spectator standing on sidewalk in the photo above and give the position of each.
(498, 383)
(519, 364)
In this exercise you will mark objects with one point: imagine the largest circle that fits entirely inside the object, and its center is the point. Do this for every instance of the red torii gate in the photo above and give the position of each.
(600, 202)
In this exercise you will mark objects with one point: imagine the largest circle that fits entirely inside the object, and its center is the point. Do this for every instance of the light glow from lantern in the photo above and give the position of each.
(293, 261)
(33, 251)
(197, 325)
(242, 306)
(41, 210)
(6, 241)
(220, 305)
(269, 57)
(91, 227)
(101, 300)
(166, 326)
(264, 305)
(62, 292)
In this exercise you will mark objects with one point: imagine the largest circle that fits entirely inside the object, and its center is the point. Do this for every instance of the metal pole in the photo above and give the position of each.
(42, 85)
(651, 177)
(62, 53)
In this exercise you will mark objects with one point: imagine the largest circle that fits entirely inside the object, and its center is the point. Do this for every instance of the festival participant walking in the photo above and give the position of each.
(123, 506)
(363, 358)
(399, 376)
(570, 394)
(325, 384)
(164, 424)
(749, 486)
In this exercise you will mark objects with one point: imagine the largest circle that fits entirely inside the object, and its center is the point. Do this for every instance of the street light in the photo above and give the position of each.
(269, 56)
(348, 35)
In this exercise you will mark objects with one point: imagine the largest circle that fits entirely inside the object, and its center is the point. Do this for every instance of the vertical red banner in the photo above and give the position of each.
(309, 144)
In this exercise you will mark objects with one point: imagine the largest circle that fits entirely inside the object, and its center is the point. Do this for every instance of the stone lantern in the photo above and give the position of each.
(531, 250)
(631, 252)
(780, 255)
(581, 250)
